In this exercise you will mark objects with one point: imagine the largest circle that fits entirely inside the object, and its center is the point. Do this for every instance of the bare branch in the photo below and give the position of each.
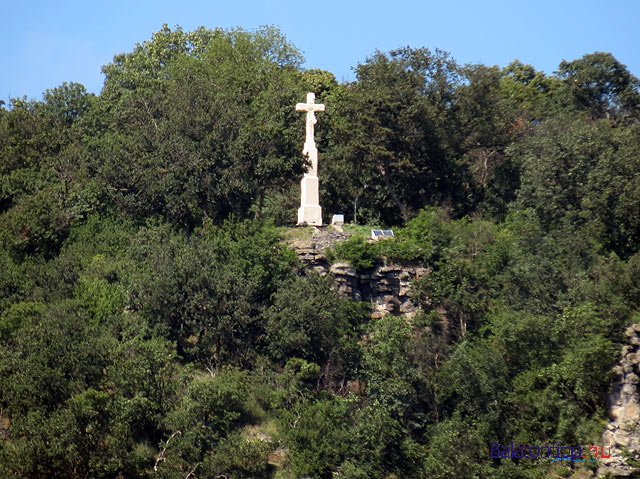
(162, 456)
(192, 471)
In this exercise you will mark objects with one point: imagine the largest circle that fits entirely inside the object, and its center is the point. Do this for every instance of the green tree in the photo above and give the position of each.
(309, 320)
(211, 409)
(603, 86)
(391, 132)
(211, 150)
(208, 294)
(582, 173)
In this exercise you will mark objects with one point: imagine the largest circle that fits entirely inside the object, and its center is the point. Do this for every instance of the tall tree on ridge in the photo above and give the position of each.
(392, 130)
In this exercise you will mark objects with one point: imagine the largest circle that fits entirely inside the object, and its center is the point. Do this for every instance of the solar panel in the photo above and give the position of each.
(381, 234)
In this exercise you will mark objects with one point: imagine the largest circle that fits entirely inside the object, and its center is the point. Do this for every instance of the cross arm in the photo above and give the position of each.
(309, 107)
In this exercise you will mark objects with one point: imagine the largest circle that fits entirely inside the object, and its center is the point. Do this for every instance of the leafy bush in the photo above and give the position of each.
(358, 252)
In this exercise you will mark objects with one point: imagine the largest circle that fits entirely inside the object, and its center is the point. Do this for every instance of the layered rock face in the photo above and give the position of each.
(623, 431)
(386, 287)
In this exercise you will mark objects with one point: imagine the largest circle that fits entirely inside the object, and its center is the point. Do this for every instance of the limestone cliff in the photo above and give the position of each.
(623, 431)
(386, 287)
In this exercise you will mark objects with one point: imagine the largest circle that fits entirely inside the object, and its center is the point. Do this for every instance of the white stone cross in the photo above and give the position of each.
(310, 212)
(311, 107)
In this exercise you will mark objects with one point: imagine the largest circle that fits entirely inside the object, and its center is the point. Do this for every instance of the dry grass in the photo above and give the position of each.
(298, 237)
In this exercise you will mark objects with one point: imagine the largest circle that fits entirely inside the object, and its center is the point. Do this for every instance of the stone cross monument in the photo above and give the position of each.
(310, 211)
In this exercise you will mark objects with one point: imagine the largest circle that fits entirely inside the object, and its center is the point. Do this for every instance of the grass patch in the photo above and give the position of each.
(299, 236)
(359, 231)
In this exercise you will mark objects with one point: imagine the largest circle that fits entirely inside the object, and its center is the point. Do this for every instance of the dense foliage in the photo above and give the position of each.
(153, 322)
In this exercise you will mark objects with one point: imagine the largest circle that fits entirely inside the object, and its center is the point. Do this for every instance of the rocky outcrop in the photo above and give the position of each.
(327, 237)
(386, 287)
(623, 431)
(312, 260)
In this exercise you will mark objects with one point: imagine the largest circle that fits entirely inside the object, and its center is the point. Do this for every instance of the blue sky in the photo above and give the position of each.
(45, 43)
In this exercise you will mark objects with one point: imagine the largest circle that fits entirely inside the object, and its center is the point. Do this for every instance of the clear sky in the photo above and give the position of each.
(45, 42)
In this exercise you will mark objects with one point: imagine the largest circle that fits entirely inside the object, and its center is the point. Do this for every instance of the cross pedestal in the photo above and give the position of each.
(310, 211)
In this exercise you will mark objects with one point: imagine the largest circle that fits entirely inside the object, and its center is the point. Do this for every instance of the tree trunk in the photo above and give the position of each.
(260, 204)
(404, 212)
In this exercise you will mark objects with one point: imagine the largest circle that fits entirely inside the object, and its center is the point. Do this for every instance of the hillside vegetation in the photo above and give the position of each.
(154, 324)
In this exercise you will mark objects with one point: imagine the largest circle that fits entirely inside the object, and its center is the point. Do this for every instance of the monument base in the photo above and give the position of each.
(309, 212)
(310, 215)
